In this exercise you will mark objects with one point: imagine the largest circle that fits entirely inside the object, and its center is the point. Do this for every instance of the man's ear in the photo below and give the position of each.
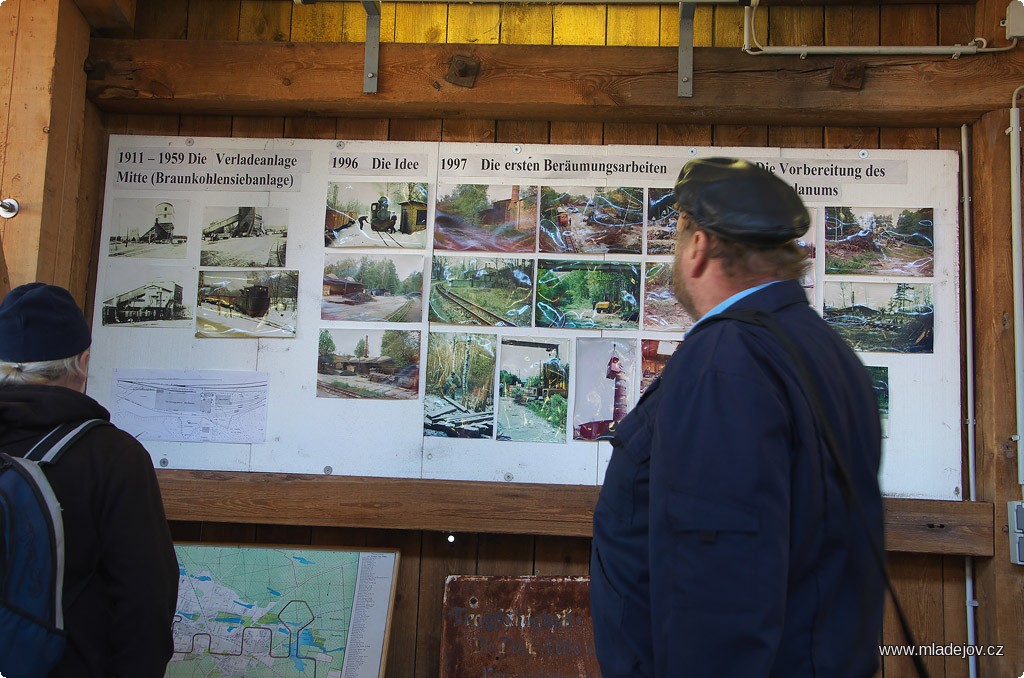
(698, 253)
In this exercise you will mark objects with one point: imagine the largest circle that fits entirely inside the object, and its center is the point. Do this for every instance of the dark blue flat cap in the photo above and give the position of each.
(741, 202)
(40, 322)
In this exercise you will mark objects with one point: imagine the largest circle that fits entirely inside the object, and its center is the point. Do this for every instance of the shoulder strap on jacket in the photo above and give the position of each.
(49, 449)
(810, 387)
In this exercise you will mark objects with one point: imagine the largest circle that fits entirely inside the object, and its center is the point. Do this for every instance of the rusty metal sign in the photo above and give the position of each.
(517, 627)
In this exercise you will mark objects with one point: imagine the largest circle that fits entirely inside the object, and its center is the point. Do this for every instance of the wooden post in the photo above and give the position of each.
(1000, 584)
(44, 45)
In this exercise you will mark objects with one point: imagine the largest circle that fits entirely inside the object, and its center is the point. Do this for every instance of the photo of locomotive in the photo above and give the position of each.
(253, 300)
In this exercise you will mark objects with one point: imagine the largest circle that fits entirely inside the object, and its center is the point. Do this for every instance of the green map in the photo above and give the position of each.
(272, 612)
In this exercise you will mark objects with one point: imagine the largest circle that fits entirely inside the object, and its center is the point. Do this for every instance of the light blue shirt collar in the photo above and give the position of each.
(729, 302)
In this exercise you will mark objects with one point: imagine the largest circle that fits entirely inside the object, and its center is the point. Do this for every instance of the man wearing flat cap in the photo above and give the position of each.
(120, 572)
(730, 539)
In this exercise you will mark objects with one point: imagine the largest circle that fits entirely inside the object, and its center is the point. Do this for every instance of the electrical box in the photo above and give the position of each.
(1015, 20)
(1015, 515)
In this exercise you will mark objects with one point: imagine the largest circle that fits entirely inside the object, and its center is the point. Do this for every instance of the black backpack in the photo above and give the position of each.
(32, 557)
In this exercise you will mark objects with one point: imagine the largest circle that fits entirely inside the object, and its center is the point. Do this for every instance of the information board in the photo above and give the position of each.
(479, 311)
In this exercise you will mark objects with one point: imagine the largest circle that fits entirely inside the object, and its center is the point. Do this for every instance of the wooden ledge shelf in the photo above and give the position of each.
(912, 525)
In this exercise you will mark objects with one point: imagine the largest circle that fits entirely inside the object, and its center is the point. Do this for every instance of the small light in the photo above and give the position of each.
(451, 538)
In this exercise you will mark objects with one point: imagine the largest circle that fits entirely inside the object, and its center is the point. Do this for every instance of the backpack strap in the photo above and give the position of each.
(52, 446)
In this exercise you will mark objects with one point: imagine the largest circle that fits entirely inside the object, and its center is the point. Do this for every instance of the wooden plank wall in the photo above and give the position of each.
(47, 147)
(932, 587)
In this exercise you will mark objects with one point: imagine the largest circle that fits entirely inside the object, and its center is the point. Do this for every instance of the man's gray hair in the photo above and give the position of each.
(48, 372)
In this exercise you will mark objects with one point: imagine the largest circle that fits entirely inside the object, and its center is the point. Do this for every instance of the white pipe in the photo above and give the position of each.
(976, 46)
(972, 482)
(1018, 278)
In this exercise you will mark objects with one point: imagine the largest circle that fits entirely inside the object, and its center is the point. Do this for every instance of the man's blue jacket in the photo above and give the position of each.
(723, 543)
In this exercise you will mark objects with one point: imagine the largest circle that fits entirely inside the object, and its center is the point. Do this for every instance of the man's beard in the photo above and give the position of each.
(682, 293)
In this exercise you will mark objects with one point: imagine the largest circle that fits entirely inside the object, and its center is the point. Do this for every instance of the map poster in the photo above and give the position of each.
(262, 612)
(191, 405)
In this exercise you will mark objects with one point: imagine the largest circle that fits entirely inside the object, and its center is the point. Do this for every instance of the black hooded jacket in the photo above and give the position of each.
(121, 573)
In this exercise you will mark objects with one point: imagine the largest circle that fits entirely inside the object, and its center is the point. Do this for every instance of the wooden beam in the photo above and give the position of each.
(1000, 586)
(108, 14)
(916, 526)
(611, 84)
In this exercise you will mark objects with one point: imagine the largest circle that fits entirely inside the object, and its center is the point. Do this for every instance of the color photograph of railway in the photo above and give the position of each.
(459, 400)
(587, 294)
(661, 221)
(376, 214)
(661, 310)
(533, 389)
(481, 291)
(135, 297)
(247, 304)
(886, 317)
(879, 241)
(604, 379)
(244, 237)
(591, 220)
(149, 227)
(372, 288)
(483, 218)
(880, 382)
(371, 364)
(654, 355)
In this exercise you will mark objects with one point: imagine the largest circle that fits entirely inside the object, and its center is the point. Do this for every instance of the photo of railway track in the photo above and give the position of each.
(368, 364)
(253, 303)
(481, 291)
(376, 214)
(152, 228)
(244, 237)
(591, 219)
(372, 287)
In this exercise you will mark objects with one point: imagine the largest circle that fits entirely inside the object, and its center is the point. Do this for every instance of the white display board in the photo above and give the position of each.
(479, 311)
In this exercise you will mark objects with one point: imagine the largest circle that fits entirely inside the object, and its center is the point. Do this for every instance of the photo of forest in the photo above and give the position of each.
(481, 291)
(481, 218)
(372, 287)
(591, 220)
(587, 294)
(459, 401)
(895, 318)
(377, 364)
(879, 241)
(533, 389)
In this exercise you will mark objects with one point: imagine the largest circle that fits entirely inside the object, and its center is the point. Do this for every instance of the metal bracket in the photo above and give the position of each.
(371, 59)
(686, 10)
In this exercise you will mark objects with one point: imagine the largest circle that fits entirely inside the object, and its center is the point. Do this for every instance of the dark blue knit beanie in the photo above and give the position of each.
(40, 322)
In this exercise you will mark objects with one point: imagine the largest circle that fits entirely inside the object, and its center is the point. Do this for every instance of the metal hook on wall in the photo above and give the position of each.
(9, 207)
